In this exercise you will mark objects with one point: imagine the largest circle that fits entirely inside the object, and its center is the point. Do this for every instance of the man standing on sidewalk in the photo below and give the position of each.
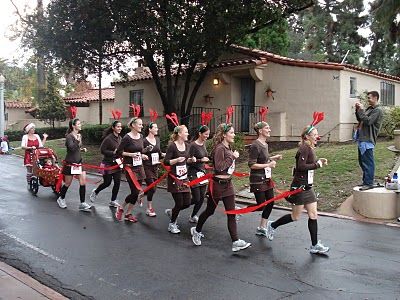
(369, 124)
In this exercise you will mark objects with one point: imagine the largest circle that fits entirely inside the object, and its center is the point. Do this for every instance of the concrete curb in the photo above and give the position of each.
(30, 282)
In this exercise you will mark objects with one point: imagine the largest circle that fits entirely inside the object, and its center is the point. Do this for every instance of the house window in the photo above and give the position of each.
(136, 97)
(387, 93)
(353, 87)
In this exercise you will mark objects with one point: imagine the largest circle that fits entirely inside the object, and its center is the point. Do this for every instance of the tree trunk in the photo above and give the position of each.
(40, 75)
(100, 93)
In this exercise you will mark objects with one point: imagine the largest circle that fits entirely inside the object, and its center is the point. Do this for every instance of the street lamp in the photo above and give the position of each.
(2, 120)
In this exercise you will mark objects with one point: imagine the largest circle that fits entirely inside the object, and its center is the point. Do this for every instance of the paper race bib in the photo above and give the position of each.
(268, 172)
(155, 159)
(119, 162)
(181, 172)
(231, 168)
(76, 170)
(137, 159)
(199, 175)
(310, 179)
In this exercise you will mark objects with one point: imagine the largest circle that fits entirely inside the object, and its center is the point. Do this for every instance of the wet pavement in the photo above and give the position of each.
(92, 256)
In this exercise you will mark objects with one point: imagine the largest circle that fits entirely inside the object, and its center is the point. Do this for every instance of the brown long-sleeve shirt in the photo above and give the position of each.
(73, 149)
(179, 169)
(305, 161)
(108, 146)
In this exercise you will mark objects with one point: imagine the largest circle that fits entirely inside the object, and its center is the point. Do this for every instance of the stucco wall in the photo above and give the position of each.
(90, 114)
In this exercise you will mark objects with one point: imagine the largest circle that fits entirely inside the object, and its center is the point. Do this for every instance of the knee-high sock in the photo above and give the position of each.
(313, 228)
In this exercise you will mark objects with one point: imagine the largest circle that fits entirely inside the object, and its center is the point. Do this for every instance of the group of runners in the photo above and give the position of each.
(190, 179)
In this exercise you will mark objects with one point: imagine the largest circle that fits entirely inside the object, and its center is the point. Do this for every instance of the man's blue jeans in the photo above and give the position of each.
(367, 165)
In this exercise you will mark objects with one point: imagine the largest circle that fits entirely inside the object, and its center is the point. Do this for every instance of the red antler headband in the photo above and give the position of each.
(116, 114)
(153, 115)
(229, 113)
(206, 118)
(317, 118)
(136, 110)
(73, 111)
(174, 119)
(263, 113)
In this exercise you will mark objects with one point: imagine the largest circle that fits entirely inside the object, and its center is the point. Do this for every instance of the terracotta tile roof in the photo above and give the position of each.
(309, 64)
(91, 95)
(259, 57)
(18, 104)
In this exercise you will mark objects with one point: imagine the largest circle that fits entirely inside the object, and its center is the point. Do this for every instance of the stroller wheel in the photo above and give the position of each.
(34, 185)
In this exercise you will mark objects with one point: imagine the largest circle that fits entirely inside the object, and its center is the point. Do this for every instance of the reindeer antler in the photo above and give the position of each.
(173, 118)
(116, 114)
(263, 113)
(229, 113)
(318, 117)
(136, 110)
(73, 111)
(153, 115)
(206, 117)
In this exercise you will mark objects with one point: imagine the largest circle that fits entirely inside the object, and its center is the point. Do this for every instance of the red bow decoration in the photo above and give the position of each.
(173, 118)
(263, 113)
(318, 117)
(153, 115)
(73, 111)
(229, 113)
(135, 109)
(116, 113)
(206, 117)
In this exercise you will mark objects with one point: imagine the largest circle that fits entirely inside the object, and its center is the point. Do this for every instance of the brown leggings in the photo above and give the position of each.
(229, 203)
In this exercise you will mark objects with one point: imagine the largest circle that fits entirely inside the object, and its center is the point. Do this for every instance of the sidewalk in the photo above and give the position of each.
(17, 285)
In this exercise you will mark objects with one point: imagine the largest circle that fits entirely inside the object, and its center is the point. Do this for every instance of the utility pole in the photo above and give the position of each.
(2, 120)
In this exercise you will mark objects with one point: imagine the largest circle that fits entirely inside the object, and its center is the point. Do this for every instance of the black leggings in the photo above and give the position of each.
(82, 192)
(182, 201)
(133, 196)
(150, 193)
(198, 194)
(229, 203)
(107, 178)
(262, 197)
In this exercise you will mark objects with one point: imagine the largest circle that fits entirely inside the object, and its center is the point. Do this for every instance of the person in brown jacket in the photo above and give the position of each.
(306, 163)
(222, 188)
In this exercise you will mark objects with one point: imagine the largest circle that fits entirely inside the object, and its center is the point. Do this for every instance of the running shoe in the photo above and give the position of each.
(61, 202)
(150, 212)
(84, 207)
(196, 236)
(93, 196)
(118, 213)
(193, 219)
(168, 212)
(261, 231)
(270, 231)
(173, 228)
(130, 218)
(240, 245)
(319, 248)
(113, 204)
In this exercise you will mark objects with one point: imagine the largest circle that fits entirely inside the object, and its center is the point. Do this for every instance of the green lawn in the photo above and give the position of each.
(333, 183)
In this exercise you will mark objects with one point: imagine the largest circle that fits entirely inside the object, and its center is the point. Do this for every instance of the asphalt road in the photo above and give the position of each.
(92, 256)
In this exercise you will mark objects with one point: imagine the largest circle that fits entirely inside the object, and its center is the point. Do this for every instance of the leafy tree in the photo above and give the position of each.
(386, 13)
(52, 108)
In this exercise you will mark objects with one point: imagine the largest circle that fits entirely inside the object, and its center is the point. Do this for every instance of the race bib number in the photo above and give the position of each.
(310, 179)
(137, 159)
(231, 168)
(155, 159)
(199, 175)
(181, 172)
(76, 170)
(268, 172)
(119, 162)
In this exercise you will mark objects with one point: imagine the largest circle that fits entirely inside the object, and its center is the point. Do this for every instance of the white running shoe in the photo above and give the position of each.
(193, 219)
(113, 204)
(61, 202)
(173, 228)
(168, 212)
(84, 207)
(240, 245)
(196, 236)
(270, 231)
(150, 212)
(261, 231)
(93, 196)
(319, 248)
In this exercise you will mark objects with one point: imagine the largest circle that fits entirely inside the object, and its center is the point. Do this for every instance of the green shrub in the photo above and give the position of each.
(391, 120)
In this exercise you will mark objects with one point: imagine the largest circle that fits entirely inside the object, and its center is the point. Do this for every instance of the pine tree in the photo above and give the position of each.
(52, 108)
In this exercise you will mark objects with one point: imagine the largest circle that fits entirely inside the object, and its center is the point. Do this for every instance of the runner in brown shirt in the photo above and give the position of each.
(222, 188)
